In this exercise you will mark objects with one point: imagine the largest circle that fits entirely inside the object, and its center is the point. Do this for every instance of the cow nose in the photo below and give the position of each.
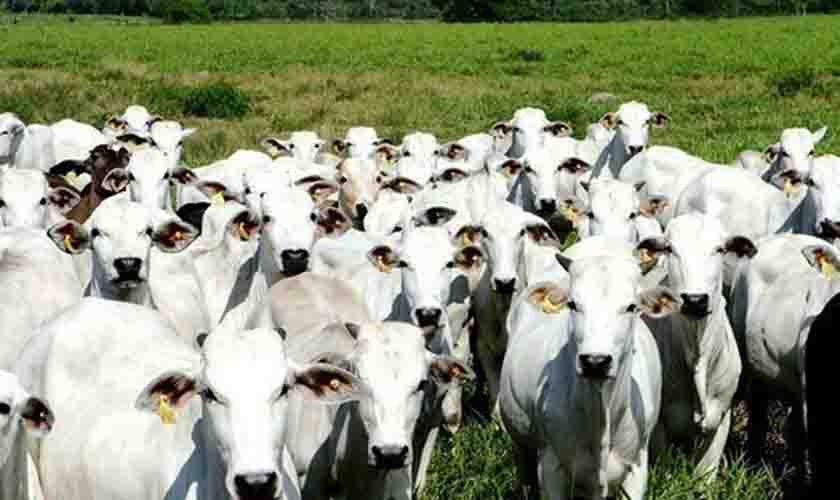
(505, 286)
(595, 365)
(361, 211)
(261, 486)
(695, 304)
(428, 317)
(295, 261)
(390, 456)
(548, 206)
(829, 229)
(128, 266)
(634, 150)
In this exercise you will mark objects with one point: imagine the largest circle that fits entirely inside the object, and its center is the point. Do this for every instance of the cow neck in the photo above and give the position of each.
(100, 287)
(14, 477)
(612, 158)
(797, 215)
(602, 405)
(204, 465)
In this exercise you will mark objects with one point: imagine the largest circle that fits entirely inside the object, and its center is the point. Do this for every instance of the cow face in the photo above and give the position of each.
(303, 145)
(359, 182)
(528, 130)
(402, 377)
(417, 158)
(292, 224)
(793, 156)
(359, 142)
(632, 123)
(697, 250)
(11, 133)
(244, 382)
(27, 201)
(168, 137)
(550, 170)
(20, 411)
(149, 173)
(120, 233)
(614, 210)
(824, 187)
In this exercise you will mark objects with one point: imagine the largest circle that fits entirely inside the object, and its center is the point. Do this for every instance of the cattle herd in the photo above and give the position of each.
(300, 322)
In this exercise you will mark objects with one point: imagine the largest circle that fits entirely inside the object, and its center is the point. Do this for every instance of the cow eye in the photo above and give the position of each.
(516, 129)
(620, 123)
(317, 146)
(397, 229)
(5, 409)
(149, 231)
(784, 154)
(632, 308)
(248, 190)
(131, 177)
(283, 392)
(313, 217)
(402, 264)
(166, 176)
(529, 170)
(43, 201)
(379, 179)
(633, 215)
(720, 250)
(5, 132)
(811, 153)
(267, 218)
(2, 203)
(572, 306)
(450, 264)
(407, 154)
(342, 179)
(94, 233)
(590, 214)
(421, 387)
(291, 146)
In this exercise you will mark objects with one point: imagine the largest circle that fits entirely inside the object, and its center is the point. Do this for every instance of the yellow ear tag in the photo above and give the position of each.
(71, 177)
(790, 187)
(382, 266)
(68, 243)
(466, 240)
(243, 233)
(166, 412)
(571, 213)
(826, 267)
(218, 199)
(335, 384)
(550, 307)
(645, 256)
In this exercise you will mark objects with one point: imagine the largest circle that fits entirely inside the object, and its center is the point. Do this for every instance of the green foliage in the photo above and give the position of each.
(217, 100)
(793, 82)
(181, 11)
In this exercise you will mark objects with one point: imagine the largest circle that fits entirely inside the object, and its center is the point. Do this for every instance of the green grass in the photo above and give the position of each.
(728, 85)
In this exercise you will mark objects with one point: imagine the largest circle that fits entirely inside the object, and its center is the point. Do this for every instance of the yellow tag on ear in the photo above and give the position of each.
(790, 187)
(466, 240)
(826, 267)
(335, 384)
(645, 256)
(166, 412)
(243, 233)
(381, 265)
(68, 243)
(71, 177)
(218, 199)
(550, 307)
(571, 213)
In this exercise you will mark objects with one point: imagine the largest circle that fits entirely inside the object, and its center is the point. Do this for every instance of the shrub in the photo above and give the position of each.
(217, 100)
(530, 55)
(793, 82)
(182, 11)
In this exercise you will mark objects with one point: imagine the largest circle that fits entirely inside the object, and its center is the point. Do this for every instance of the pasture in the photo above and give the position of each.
(728, 85)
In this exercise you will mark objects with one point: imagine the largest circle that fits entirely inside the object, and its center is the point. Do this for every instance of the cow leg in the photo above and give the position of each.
(526, 467)
(709, 463)
(797, 439)
(425, 459)
(757, 431)
(635, 483)
(491, 368)
(555, 483)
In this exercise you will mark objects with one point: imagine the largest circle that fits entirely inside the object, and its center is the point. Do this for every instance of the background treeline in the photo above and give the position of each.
(446, 10)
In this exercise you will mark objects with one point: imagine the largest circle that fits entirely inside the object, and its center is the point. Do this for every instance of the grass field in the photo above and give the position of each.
(728, 85)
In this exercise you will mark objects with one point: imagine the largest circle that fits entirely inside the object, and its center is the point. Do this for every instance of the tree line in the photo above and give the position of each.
(446, 10)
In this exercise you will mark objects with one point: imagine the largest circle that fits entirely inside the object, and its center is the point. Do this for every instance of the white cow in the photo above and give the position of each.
(616, 210)
(417, 157)
(26, 200)
(581, 383)
(120, 235)
(217, 283)
(225, 176)
(21, 415)
(632, 124)
(135, 119)
(302, 145)
(794, 153)
(180, 421)
(700, 358)
(151, 174)
(776, 335)
(528, 130)
(359, 181)
(25, 147)
(74, 140)
(549, 171)
(358, 142)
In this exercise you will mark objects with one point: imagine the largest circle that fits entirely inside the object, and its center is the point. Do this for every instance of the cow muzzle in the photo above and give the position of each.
(390, 456)
(262, 486)
(829, 229)
(295, 261)
(547, 207)
(695, 305)
(634, 150)
(505, 287)
(595, 366)
(128, 272)
(428, 317)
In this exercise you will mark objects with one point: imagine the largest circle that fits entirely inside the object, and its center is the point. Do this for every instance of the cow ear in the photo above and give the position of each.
(510, 168)
(384, 258)
(549, 298)
(63, 199)
(402, 185)
(173, 236)
(541, 234)
(245, 225)
(116, 123)
(116, 181)
(609, 120)
(187, 132)
(470, 235)
(772, 152)
(123, 157)
(574, 166)
(455, 151)
(332, 223)
(451, 175)
(339, 147)
(182, 175)
(819, 134)
(740, 246)
(558, 129)
(501, 129)
(572, 209)
(649, 250)
(217, 192)
(70, 237)
(658, 302)
(387, 152)
(154, 119)
(38, 418)
(134, 140)
(822, 258)
(659, 119)
(274, 146)
(166, 394)
(434, 216)
(446, 370)
(320, 191)
(70, 166)
(654, 205)
(468, 259)
(327, 384)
